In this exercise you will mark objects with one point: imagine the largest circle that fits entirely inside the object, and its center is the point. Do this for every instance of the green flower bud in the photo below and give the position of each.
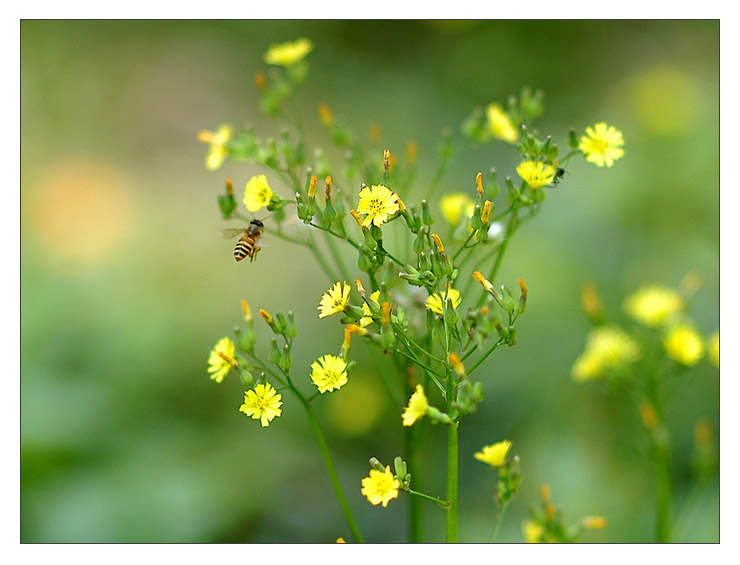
(245, 377)
(291, 330)
(275, 354)
(426, 214)
(492, 188)
(370, 242)
(377, 465)
(475, 222)
(245, 339)
(285, 362)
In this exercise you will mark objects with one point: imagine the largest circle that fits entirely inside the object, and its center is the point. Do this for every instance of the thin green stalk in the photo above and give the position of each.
(329, 463)
(663, 491)
(452, 477)
(442, 503)
(499, 521)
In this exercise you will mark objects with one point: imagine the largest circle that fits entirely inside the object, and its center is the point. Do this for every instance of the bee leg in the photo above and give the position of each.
(254, 255)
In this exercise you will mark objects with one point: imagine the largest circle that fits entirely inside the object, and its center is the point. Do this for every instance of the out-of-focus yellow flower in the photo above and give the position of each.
(436, 301)
(602, 144)
(416, 408)
(380, 487)
(713, 349)
(334, 300)
(653, 305)
(536, 173)
(500, 125)
(533, 532)
(217, 152)
(606, 347)
(684, 344)
(494, 454)
(329, 373)
(288, 53)
(454, 205)
(263, 404)
(377, 202)
(221, 359)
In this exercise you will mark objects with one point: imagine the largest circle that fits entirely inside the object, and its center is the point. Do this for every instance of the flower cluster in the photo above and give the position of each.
(427, 303)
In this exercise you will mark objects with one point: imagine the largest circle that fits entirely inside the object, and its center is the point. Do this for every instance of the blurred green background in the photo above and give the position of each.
(127, 284)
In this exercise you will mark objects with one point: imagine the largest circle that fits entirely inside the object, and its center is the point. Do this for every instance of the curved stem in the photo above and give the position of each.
(329, 463)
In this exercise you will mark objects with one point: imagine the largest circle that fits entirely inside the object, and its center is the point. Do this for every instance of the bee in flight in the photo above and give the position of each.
(558, 176)
(247, 244)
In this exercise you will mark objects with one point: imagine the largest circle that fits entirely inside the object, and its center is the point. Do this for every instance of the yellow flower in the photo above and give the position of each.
(378, 202)
(494, 454)
(329, 373)
(221, 359)
(435, 301)
(535, 173)
(263, 403)
(257, 193)
(653, 305)
(334, 300)
(454, 205)
(602, 144)
(533, 532)
(380, 487)
(500, 125)
(367, 319)
(417, 407)
(684, 344)
(217, 152)
(713, 347)
(606, 347)
(288, 53)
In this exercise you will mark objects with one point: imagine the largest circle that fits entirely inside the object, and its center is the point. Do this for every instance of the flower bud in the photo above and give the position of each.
(426, 214)
(246, 377)
(245, 339)
(291, 330)
(275, 354)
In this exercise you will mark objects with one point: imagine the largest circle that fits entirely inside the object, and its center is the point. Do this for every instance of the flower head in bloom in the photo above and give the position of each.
(367, 319)
(713, 347)
(500, 125)
(653, 305)
(217, 152)
(377, 202)
(257, 193)
(380, 487)
(602, 144)
(535, 173)
(606, 347)
(288, 53)
(334, 300)
(684, 344)
(417, 407)
(494, 454)
(263, 403)
(329, 373)
(221, 359)
(454, 205)
(437, 301)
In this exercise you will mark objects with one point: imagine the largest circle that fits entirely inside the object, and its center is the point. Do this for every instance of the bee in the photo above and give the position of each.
(247, 244)
(559, 174)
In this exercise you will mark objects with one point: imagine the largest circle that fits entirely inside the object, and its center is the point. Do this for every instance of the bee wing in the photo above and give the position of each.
(231, 233)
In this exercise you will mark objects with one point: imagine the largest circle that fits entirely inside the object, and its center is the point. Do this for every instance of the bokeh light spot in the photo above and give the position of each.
(356, 408)
(80, 208)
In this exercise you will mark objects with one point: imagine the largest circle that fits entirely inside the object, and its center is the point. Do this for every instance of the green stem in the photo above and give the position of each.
(349, 518)
(452, 467)
(499, 521)
(442, 503)
(663, 490)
